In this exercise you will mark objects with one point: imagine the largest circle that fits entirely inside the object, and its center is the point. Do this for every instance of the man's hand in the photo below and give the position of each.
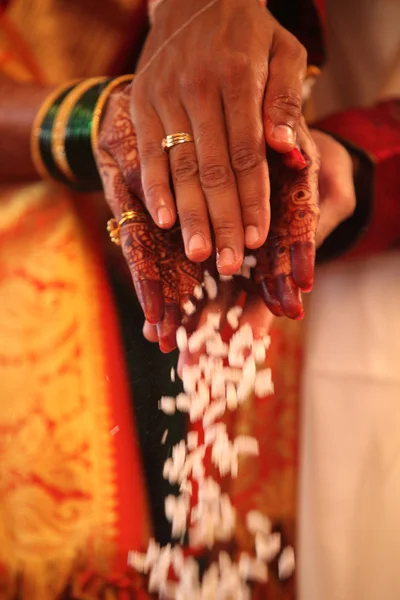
(232, 77)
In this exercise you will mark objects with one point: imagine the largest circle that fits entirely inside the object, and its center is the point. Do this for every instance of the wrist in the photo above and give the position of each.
(65, 128)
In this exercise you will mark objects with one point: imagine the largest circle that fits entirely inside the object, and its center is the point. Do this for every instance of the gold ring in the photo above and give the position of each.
(176, 138)
(114, 226)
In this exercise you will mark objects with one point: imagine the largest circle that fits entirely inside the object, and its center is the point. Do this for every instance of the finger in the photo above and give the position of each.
(287, 291)
(189, 196)
(191, 292)
(303, 214)
(264, 279)
(270, 297)
(166, 329)
(217, 179)
(150, 332)
(283, 96)
(295, 159)
(154, 161)
(136, 239)
(243, 109)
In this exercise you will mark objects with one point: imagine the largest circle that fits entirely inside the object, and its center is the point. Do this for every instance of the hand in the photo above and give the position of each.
(228, 76)
(336, 184)
(163, 277)
(285, 263)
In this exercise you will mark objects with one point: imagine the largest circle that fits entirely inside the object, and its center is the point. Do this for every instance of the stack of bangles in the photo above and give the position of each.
(65, 131)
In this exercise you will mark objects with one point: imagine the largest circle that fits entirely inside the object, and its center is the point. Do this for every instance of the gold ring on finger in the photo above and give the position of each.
(114, 226)
(176, 138)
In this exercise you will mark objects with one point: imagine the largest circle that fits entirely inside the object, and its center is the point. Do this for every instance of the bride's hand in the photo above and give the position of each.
(163, 276)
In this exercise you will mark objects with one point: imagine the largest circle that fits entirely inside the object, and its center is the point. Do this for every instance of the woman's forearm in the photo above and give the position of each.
(19, 103)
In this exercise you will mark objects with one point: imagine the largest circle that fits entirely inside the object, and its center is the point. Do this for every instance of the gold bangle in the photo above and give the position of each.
(37, 127)
(60, 125)
(100, 106)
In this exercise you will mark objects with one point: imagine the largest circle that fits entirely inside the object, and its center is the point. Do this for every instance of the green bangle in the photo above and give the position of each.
(77, 143)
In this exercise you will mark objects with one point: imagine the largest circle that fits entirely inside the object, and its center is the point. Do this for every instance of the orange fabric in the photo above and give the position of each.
(72, 499)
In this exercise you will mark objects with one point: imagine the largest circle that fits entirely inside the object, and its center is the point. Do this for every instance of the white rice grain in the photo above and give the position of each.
(167, 405)
(181, 338)
(263, 384)
(214, 412)
(267, 546)
(256, 522)
(210, 285)
(231, 396)
(198, 292)
(192, 440)
(189, 308)
(286, 563)
(250, 261)
(233, 316)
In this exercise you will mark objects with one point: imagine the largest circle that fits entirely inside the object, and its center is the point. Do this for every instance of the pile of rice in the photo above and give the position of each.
(223, 378)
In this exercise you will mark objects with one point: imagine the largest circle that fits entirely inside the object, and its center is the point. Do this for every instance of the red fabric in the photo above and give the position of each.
(376, 132)
(320, 5)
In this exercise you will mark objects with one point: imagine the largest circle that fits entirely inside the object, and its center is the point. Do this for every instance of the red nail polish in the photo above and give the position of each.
(295, 158)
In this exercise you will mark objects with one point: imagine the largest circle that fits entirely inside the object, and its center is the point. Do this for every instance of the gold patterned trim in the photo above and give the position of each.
(61, 121)
(37, 127)
(100, 106)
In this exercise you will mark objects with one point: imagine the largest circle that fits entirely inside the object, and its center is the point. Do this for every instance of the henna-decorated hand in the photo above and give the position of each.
(285, 264)
(163, 277)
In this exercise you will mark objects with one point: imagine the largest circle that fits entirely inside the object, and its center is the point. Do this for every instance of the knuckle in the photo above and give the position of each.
(293, 50)
(185, 167)
(194, 84)
(224, 228)
(254, 205)
(153, 191)
(233, 67)
(190, 219)
(164, 87)
(150, 148)
(215, 176)
(287, 102)
(244, 157)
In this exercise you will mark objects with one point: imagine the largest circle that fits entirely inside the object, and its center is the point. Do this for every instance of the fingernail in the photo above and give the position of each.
(252, 235)
(164, 216)
(226, 257)
(283, 133)
(297, 156)
(196, 243)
